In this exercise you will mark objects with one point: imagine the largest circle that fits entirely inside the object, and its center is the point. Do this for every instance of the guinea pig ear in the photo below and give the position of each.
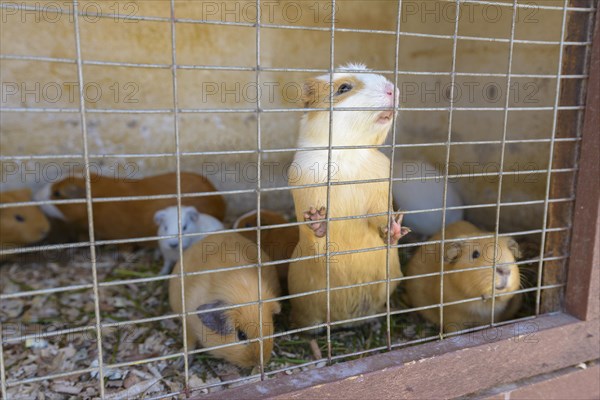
(513, 246)
(73, 191)
(452, 252)
(216, 321)
(193, 214)
(159, 217)
(310, 92)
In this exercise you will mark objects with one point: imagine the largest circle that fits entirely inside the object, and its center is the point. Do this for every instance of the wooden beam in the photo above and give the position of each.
(583, 284)
(442, 369)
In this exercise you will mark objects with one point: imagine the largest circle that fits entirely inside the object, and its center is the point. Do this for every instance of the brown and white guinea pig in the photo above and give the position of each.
(21, 225)
(470, 253)
(278, 243)
(127, 219)
(350, 128)
(220, 289)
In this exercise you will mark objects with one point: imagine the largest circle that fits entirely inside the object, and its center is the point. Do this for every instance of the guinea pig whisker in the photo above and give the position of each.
(525, 281)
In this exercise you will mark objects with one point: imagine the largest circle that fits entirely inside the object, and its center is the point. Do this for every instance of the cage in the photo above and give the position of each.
(497, 97)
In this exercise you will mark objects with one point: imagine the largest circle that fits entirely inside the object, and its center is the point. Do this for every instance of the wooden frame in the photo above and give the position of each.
(474, 362)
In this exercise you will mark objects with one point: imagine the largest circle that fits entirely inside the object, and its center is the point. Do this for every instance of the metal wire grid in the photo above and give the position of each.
(178, 173)
(88, 196)
(329, 171)
(447, 165)
(92, 243)
(503, 149)
(551, 155)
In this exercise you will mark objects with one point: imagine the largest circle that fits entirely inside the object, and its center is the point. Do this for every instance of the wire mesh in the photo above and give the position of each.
(177, 112)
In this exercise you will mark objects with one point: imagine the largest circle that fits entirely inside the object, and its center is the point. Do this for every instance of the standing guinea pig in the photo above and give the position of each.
(20, 225)
(466, 254)
(226, 288)
(127, 219)
(423, 194)
(278, 243)
(191, 222)
(350, 128)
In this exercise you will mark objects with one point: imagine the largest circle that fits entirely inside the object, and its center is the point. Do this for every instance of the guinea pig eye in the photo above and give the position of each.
(19, 218)
(56, 193)
(184, 227)
(344, 87)
(241, 335)
(475, 254)
(247, 225)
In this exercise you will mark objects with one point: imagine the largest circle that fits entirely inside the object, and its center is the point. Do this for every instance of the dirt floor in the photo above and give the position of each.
(77, 349)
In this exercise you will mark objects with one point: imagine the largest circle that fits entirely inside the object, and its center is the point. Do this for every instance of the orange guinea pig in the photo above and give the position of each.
(278, 243)
(21, 225)
(222, 287)
(127, 219)
(364, 174)
(473, 283)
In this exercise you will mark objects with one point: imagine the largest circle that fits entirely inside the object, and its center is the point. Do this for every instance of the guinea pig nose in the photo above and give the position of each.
(389, 89)
(503, 274)
(173, 245)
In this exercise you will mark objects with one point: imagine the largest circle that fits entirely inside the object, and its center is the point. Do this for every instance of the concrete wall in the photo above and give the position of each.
(44, 33)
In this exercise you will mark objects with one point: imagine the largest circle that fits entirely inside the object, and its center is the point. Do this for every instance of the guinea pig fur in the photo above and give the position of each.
(423, 194)
(310, 167)
(278, 243)
(226, 288)
(127, 219)
(21, 225)
(467, 254)
(191, 222)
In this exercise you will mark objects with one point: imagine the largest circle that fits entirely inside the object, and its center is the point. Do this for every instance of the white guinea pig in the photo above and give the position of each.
(191, 222)
(423, 194)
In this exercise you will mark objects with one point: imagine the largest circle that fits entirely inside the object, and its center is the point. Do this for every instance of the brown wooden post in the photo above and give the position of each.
(583, 287)
(565, 156)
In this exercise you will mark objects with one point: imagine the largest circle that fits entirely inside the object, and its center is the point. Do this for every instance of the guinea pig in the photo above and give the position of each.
(414, 195)
(467, 254)
(350, 128)
(191, 222)
(278, 243)
(226, 288)
(127, 219)
(21, 225)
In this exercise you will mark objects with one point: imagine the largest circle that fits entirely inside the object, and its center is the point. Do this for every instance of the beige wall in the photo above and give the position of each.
(223, 45)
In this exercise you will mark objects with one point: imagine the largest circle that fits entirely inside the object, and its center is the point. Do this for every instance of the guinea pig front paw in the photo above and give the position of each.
(395, 229)
(319, 227)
